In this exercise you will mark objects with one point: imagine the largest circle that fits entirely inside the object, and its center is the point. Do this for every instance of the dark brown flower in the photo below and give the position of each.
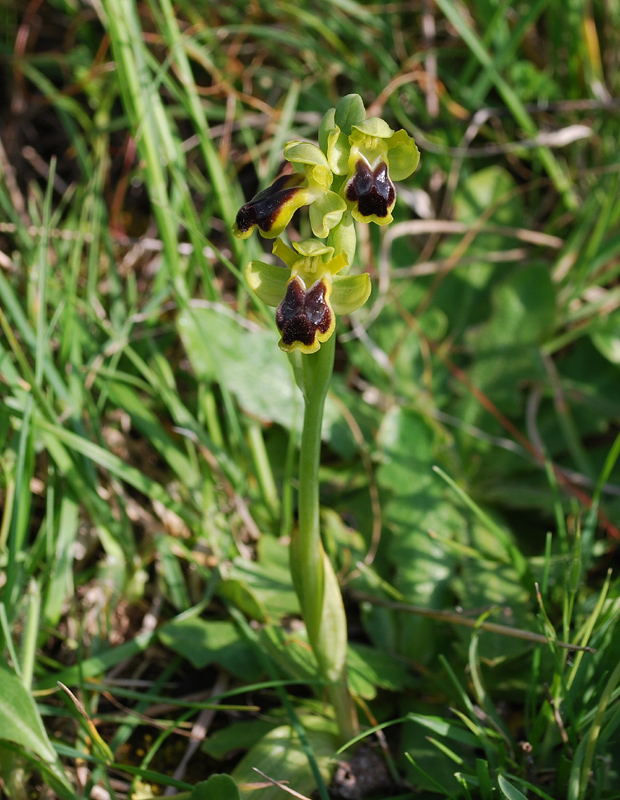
(304, 317)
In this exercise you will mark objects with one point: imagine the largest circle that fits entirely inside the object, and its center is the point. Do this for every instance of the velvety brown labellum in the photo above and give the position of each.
(302, 314)
(373, 191)
(264, 208)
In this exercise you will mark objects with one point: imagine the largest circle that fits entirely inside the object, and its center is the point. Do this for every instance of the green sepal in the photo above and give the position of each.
(328, 123)
(326, 212)
(343, 239)
(350, 293)
(373, 126)
(349, 112)
(403, 156)
(267, 281)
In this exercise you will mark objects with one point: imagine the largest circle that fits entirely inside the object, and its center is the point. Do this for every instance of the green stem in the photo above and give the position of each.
(313, 575)
(315, 376)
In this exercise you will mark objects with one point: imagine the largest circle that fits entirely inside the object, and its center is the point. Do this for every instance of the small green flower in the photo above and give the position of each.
(371, 157)
(272, 209)
(309, 294)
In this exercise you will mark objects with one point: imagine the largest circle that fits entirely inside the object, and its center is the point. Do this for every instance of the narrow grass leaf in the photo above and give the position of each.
(454, 14)
(117, 466)
(517, 558)
(60, 582)
(440, 787)
(445, 728)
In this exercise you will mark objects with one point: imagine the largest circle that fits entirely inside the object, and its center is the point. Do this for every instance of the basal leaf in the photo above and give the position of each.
(415, 503)
(236, 736)
(279, 754)
(369, 669)
(248, 362)
(605, 336)
(19, 718)
(205, 642)
(489, 186)
(218, 787)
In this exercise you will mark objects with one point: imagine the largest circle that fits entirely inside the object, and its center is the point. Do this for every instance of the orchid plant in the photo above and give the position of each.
(348, 178)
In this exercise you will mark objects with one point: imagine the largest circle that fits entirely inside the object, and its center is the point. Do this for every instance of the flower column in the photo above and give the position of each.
(348, 178)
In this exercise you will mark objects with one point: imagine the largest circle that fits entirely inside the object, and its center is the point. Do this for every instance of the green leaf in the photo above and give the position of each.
(509, 791)
(291, 651)
(369, 669)
(279, 754)
(19, 717)
(218, 787)
(482, 190)
(447, 728)
(173, 573)
(506, 348)
(236, 589)
(483, 583)
(605, 335)
(247, 361)
(268, 581)
(236, 736)
(205, 642)
(414, 505)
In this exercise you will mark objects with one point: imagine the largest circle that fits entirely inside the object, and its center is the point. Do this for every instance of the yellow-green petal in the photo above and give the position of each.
(325, 213)
(267, 281)
(304, 153)
(403, 155)
(338, 149)
(308, 158)
(350, 293)
(373, 126)
(285, 253)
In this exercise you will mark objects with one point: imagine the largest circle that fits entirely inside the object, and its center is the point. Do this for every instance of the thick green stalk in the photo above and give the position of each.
(306, 555)
(313, 575)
